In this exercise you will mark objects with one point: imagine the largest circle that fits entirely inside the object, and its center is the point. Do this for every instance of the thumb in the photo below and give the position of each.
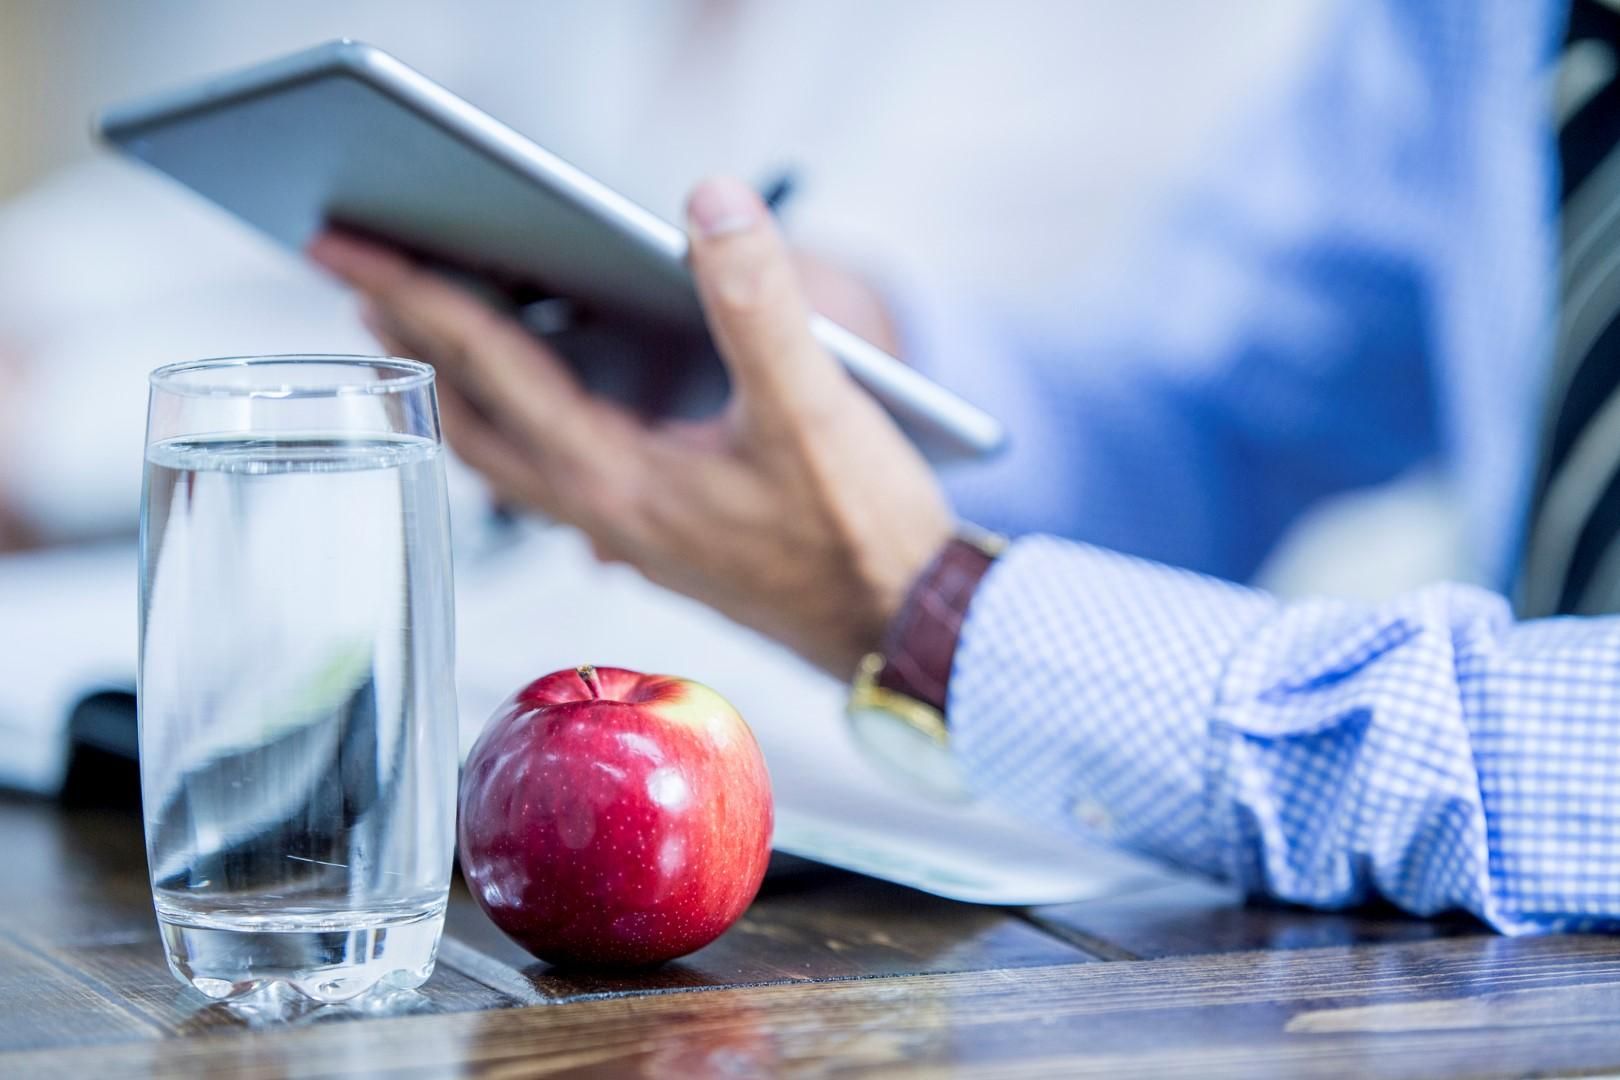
(755, 306)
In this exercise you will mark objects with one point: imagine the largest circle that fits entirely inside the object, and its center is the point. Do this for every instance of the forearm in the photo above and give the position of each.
(1428, 751)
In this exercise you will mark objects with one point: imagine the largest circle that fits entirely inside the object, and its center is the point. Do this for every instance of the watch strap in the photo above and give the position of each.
(920, 643)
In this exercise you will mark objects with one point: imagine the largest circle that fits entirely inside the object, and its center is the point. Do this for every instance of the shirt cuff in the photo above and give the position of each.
(1082, 689)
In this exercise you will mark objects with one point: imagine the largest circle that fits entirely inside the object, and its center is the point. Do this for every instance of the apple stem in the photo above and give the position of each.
(587, 675)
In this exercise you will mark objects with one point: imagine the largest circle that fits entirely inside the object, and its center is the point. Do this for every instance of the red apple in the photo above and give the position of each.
(611, 818)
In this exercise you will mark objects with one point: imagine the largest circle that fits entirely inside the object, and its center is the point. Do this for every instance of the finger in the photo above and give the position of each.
(594, 493)
(500, 365)
(507, 468)
(431, 314)
(387, 336)
(449, 399)
(605, 553)
(366, 265)
(755, 308)
(398, 342)
(506, 465)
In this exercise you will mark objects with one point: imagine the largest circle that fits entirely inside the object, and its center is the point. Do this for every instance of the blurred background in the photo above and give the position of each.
(905, 124)
(1012, 153)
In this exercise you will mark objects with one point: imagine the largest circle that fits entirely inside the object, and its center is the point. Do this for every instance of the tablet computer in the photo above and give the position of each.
(346, 134)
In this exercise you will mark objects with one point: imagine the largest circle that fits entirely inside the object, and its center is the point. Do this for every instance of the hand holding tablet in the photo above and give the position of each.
(344, 134)
(800, 510)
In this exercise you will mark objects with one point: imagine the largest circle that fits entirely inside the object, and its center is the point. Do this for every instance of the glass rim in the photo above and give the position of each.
(168, 378)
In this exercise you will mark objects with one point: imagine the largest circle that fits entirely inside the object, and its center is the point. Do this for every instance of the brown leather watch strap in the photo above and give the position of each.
(920, 643)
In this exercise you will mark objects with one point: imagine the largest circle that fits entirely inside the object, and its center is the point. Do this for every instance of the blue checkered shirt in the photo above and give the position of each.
(1360, 283)
(1428, 750)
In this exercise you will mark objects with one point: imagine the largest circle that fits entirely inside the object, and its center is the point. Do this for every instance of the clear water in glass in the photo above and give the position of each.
(298, 729)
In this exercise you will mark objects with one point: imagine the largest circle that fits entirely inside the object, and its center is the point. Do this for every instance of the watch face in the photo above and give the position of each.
(902, 751)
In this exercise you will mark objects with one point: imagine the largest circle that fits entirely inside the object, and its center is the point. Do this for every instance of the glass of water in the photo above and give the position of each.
(297, 705)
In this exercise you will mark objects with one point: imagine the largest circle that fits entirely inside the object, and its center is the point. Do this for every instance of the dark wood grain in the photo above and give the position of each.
(77, 892)
(1480, 1007)
(810, 927)
(73, 878)
(137, 975)
(42, 1004)
(828, 973)
(1192, 918)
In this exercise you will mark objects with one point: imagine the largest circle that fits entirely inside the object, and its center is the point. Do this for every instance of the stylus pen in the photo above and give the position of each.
(778, 190)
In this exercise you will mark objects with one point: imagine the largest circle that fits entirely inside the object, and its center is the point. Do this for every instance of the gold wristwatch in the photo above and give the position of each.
(897, 703)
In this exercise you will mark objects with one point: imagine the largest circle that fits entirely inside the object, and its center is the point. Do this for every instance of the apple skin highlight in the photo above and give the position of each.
(614, 819)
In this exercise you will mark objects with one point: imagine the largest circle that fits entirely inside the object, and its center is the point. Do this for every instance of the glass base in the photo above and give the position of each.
(323, 958)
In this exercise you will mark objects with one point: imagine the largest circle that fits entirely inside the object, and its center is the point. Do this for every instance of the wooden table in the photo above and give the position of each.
(828, 973)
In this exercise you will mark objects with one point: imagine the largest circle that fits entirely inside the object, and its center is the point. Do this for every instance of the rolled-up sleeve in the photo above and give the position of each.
(1428, 750)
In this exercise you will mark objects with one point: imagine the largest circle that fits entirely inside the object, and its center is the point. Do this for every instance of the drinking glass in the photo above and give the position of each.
(297, 706)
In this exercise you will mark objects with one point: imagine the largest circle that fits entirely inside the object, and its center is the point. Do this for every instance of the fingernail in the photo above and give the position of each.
(724, 205)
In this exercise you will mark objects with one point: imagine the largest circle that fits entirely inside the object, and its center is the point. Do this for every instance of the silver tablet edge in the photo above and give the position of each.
(885, 376)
